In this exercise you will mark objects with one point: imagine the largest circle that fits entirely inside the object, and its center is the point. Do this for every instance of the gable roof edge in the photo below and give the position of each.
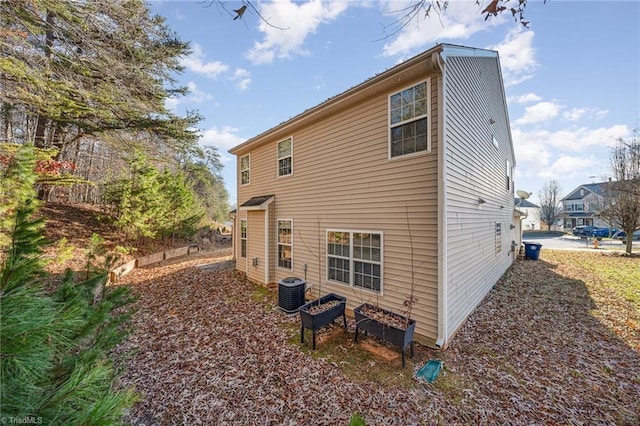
(342, 98)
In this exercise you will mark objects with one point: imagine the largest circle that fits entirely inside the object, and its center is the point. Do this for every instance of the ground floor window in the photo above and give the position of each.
(243, 238)
(498, 238)
(285, 244)
(355, 258)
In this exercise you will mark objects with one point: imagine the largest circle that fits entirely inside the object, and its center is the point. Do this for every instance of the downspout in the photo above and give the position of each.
(442, 209)
(267, 243)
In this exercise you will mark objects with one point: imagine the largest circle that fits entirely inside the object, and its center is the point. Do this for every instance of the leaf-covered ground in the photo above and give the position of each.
(549, 345)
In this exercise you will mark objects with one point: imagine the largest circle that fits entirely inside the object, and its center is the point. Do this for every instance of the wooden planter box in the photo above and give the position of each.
(315, 322)
(388, 333)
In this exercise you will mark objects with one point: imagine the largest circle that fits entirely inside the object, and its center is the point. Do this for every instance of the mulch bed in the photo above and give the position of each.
(207, 348)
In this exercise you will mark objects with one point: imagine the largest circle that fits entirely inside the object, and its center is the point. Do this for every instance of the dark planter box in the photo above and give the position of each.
(385, 332)
(315, 322)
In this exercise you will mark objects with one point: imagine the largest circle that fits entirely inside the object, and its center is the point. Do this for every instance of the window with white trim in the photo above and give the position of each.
(285, 157)
(243, 238)
(409, 120)
(509, 176)
(285, 243)
(245, 169)
(355, 258)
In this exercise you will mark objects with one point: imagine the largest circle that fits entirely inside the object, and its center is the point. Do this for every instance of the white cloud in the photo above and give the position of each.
(172, 103)
(527, 98)
(223, 138)
(567, 167)
(542, 111)
(576, 114)
(299, 19)
(517, 56)
(197, 63)
(566, 154)
(196, 95)
(242, 77)
(458, 22)
(566, 140)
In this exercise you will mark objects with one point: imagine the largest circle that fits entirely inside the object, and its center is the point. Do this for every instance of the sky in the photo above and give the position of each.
(572, 79)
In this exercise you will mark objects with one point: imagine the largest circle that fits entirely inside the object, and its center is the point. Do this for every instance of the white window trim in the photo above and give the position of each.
(278, 175)
(278, 244)
(428, 116)
(248, 169)
(245, 238)
(350, 284)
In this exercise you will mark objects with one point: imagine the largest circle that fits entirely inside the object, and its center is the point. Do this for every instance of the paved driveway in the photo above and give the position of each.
(567, 242)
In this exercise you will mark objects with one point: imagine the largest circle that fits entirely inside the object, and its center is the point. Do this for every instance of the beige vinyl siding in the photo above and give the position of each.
(343, 180)
(476, 169)
(255, 245)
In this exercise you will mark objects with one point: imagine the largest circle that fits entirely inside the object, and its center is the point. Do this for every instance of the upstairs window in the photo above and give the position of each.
(245, 169)
(509, 176)
(285, 157)
(409, 120)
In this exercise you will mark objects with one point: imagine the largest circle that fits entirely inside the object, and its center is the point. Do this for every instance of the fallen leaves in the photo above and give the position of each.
(539, 349)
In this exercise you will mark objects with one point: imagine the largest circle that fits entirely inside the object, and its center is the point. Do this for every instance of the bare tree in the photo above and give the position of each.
(624, 189)
(406, 15)
(549, 198)
(603, 204)
(428, 8)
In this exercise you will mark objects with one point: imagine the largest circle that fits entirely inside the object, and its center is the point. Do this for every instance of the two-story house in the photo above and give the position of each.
(531, 217)
(581, 206)
(400, 186)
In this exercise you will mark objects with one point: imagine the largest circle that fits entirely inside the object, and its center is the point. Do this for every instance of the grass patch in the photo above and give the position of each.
(262, 294)
(335, 345)
(604, 273)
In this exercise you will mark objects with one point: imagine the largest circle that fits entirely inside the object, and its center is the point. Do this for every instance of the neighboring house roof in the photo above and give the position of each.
(590, 188)
(524, 203)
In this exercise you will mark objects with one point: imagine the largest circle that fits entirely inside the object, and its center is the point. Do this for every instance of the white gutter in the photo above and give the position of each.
(443, 304)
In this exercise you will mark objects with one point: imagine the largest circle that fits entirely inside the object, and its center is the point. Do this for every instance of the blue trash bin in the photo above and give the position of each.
(532, 250)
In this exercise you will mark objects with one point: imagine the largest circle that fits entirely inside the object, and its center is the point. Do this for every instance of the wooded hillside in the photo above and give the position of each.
(87, 83)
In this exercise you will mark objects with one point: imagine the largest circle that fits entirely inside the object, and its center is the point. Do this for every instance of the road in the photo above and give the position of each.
(553, 241)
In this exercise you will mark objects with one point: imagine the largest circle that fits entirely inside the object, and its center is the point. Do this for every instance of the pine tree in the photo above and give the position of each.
(54, 367)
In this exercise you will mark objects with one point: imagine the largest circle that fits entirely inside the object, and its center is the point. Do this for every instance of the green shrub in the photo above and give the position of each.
(54, 366)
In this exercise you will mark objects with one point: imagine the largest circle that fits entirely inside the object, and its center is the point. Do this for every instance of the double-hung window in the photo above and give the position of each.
(285, 243)
(243, 238)
(285, 157)
(409, 112)
(245, 170)
(355, 258)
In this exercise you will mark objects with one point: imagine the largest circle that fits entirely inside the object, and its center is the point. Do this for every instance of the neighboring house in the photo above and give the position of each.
(405, 180)
(531, 218)
(580, 207)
